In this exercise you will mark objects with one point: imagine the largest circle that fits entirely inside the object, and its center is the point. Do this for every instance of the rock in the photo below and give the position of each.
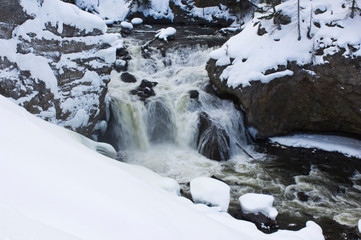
(193, 94)
(71, 89)
(128, 78)
(121, 52)
(302, 196)
(261, 31)
(212, 140)
(318, 98)
(211, 192)
(120, 65)
(147, 84)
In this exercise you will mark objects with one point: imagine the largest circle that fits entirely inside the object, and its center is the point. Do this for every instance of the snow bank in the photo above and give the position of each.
(255, 53)
(113, 10)
(56, 188)
(164, 33)
(347, 146)
(210, 191)
(258, 203)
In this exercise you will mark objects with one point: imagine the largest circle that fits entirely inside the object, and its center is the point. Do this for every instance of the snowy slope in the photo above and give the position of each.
(326, 28)
(53, 187)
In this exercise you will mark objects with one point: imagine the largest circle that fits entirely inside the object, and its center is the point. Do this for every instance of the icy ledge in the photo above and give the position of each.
(53, 187)
(347, 146)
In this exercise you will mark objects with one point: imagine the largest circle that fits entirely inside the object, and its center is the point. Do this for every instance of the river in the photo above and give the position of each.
(161, 132)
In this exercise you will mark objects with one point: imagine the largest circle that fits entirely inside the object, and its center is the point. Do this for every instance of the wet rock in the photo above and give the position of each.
(302, 196)
(262, 222)
(120, 65)
(325, 98)
(128, 78)
(193, 94)
(144, 90)
(212, 141)
(121, 52)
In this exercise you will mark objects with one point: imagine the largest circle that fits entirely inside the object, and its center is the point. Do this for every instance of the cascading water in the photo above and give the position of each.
(167, 130)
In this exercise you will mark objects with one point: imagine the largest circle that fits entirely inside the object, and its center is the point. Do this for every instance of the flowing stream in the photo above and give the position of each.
(162, 132)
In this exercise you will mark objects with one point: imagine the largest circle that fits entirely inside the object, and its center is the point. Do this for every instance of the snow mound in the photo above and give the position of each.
(347, 146)
(164, 33)
(136, 21)
(126, 25)
(210, 191)
(326, 29)
(258, 203)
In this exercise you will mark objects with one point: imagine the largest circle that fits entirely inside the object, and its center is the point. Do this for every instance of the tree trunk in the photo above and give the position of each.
(299, 20)
(353, 8)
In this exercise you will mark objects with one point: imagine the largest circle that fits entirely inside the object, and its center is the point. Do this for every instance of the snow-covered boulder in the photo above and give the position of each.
(258, 203)
(165, 33)
(210, 191)
(289, 83)
(136, 21)
(55, 61)
(126, 25)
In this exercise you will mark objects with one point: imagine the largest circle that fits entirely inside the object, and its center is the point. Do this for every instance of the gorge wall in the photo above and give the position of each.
(55, 61)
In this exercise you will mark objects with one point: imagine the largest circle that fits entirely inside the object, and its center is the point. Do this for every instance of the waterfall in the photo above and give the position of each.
(182, 112)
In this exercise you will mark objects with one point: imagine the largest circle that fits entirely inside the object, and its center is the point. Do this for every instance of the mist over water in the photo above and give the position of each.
(161, 133)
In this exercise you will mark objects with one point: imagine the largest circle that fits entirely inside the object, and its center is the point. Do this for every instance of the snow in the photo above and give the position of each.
(359, 226)
(347, 146)
(136, 21)
(210, 191)
(54, 187)
(164, 33)
(113, 10)
(258, 203)
(126, 25)
(254, 54)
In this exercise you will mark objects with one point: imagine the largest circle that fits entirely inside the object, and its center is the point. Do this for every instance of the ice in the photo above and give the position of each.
(347, 146)
(164, 33)
(210, 191)
(136, 21)
(258, 203)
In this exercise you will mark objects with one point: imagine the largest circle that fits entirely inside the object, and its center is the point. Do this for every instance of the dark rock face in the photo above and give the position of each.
(212, 141)
(322, 98)
(74, 96)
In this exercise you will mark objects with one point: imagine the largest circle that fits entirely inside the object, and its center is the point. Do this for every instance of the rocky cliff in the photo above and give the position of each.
(55, 61)
(287, 84)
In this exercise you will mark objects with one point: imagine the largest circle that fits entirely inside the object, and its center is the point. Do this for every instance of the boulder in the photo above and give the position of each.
(128, 78)
(212, 141)
(317, 98)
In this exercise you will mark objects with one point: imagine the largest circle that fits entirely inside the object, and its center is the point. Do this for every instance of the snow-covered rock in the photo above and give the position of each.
(164, 33)
(126, 25)
(136, 21)
(359, 226)
(285, 84)
(258, 203)
(57, 188)
(210, 191)
(55, 61)
(347, 146)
